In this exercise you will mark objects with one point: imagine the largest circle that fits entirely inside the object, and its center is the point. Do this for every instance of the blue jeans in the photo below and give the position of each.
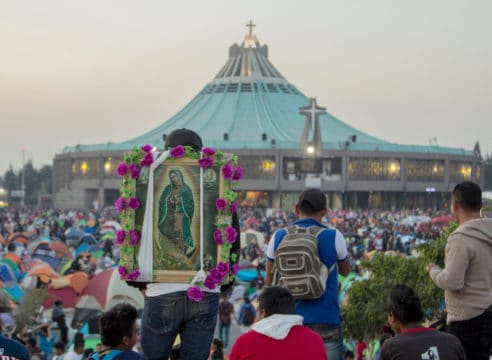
(332, 337)
(224, 330)
(166, 316)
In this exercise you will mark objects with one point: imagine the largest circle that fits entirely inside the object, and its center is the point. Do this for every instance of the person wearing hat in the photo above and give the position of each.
(168, 312)
(321, 314)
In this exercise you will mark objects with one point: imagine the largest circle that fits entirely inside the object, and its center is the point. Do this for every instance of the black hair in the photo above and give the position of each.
(404, 303)
(58, 303)
(59, 345)
(276, 300)
(218, 353)
(247, 300)
(31, 341)
(468, 195)
(185, 137)
(11, 247)
(117, 323)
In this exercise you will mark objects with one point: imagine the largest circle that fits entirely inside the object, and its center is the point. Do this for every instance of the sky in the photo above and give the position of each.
(83, 72)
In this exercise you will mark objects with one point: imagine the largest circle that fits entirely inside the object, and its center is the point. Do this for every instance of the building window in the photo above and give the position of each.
(364, 169)
(425, 170)
(460, 171)
(258, 167)
(110, 164)
(85, 168)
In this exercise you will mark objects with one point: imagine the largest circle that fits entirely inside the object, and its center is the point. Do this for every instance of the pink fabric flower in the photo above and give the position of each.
(120, 204)
(238, 173)
(222, 268)
(216, 276)
(134, 171)
(234, 207)
(235, 269)
(221, 204)
(177, 151)
(134, 237)
(228, 171)
(206, 162)
(134, 275)
(146, 148)
(122, 169)
(209, 283)
(231, 234)
(120, 237)
(147, 160)
(195, 293)
(207, 151)
(218, 237)
(122, 271)
(133, 203)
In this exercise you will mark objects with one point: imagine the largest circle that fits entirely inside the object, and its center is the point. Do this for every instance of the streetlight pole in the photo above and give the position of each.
(23, 178)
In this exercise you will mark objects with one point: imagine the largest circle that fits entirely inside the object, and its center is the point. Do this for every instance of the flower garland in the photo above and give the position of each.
(224, 235)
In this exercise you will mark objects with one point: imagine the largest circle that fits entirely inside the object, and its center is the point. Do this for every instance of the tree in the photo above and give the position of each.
(45, 177)
(487, 170)
(365, 312)
(10, 180)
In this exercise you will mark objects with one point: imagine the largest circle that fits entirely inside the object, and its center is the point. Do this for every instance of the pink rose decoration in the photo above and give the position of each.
(120, 237)
(134, 237)
(228, 171)
(218, 237)
(206, 162)
(222, 268)
(238, 173)
(221, 204)
(231, 234)
(209, 283)
(134, 171)
(122, 271)
(134, 275)
(147, 160)
(146, 148)
(177, 151)
(120, 204)
(234, 207)
(195, 293)
(208, 151)
(122, 169)
(216, 276)
(235, 269)
(134, 203)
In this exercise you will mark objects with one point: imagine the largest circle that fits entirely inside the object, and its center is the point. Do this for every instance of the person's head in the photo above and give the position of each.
(466, 198)
(78, 347)
(246, 300)
(31, 344)
(58, 348)
(118, 327)
(58, 303)
(185, 137)
(404, 308)
(11, 247)
(348, 355)
(217, 349)
(311, 203)
(275, 300)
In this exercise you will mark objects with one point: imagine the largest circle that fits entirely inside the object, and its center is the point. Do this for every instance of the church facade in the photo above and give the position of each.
(285, 141)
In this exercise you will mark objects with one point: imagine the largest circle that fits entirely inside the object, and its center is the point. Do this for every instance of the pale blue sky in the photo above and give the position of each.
(97, 71)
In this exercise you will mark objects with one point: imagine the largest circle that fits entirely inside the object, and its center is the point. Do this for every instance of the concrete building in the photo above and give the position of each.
(285, 141)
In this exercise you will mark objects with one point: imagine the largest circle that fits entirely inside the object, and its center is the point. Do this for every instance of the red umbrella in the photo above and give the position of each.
(443, 219)
(61, 249)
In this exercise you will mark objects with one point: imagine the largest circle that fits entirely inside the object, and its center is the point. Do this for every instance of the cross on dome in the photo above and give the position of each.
(312, 112)
(251, 26)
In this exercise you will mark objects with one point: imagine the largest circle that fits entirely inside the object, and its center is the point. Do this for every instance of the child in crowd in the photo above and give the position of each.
(217, 350)
(58, 350)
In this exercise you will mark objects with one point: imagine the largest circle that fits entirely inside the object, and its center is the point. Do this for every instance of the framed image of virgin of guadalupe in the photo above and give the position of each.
(184, 217)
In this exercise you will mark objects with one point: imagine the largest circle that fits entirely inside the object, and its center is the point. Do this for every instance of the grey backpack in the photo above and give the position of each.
(297, 264)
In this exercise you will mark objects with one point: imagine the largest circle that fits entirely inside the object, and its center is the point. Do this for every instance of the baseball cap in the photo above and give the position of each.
(312, 201)
(184, 137)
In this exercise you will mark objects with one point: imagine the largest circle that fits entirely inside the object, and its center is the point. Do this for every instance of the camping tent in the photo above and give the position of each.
(103, 292)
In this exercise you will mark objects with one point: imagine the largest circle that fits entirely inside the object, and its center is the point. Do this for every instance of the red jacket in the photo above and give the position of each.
(300, 343)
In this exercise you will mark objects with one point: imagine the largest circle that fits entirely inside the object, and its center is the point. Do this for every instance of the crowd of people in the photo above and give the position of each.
(290, 312)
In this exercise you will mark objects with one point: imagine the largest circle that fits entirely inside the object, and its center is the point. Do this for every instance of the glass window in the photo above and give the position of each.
(459, 171)
(425, 170)
(85, 168)
(374, 169)
(258, 167)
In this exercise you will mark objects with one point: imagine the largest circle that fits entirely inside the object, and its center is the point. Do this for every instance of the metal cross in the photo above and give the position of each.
(251, 26)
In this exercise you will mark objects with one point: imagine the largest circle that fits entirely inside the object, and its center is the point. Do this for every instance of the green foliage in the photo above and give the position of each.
(31, 302)
(365, 312)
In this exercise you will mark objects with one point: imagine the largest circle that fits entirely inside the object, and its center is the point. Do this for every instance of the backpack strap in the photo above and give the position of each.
(106, 355)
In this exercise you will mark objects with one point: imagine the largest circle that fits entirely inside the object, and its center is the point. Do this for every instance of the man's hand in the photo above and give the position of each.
(429, 267)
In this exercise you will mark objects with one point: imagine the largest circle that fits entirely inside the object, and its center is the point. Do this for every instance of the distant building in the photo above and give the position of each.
(285, 141)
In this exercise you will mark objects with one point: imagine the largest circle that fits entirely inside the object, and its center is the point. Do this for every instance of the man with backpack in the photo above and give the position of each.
(247, 315)
(306, 258)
